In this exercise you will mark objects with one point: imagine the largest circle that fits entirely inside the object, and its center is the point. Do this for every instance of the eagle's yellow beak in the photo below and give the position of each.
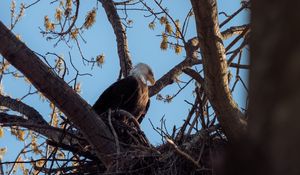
(151, 79)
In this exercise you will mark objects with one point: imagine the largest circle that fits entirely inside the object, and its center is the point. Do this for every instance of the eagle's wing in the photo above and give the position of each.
(118, 95)
(145, 112)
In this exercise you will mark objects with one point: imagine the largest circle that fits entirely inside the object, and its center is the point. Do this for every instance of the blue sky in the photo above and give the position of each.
(143, 45)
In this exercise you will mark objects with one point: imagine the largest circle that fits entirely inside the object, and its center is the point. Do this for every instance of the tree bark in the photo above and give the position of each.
(273, 143)
(35, 122)
(121, 38)
(58, 92)
(213, 55)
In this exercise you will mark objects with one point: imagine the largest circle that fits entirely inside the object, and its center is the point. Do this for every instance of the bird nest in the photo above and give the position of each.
(198, 153)
(180, 153)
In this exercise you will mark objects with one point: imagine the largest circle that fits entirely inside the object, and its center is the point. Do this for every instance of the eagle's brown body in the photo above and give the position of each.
(129, 94)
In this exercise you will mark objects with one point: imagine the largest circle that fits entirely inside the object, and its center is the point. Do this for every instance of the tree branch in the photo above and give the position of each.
(170, 76)
(115, 21)
(55, 134)
(191, 59)
(58, 92)
(215, 69)
(34, 121)
(235, 30)
(22, 108)
(195, 75)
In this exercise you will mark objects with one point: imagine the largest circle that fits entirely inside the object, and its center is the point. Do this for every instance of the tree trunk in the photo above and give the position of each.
(213, 55)
(273, 145)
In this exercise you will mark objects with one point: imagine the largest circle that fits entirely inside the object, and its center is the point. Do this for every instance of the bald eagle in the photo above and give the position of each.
(129, 94)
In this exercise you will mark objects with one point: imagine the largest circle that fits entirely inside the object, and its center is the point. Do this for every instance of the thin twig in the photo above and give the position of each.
(234, 14)
(237, 38)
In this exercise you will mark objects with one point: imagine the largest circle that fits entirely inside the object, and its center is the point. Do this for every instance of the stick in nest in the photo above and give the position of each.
(183, 154)
(115, 136)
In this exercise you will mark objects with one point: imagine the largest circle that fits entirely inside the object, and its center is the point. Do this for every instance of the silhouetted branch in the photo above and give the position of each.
(53, 133)
(22, 108)
(58, 92)
(244, 5)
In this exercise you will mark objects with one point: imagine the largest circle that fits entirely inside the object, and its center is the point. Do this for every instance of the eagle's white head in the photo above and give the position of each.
(143, 72)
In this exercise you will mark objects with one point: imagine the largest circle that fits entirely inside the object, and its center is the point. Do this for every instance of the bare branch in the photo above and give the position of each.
(195, 75)
(191, 59)
(235, 30)
(74, 18)
(170, 76)
(244, 5)
(243, 34)
(186, 122)
(55, 134)
(115, 21)
(240, 66)
(127, 2)
(236, 52)
(58, 92)
(22, 108)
